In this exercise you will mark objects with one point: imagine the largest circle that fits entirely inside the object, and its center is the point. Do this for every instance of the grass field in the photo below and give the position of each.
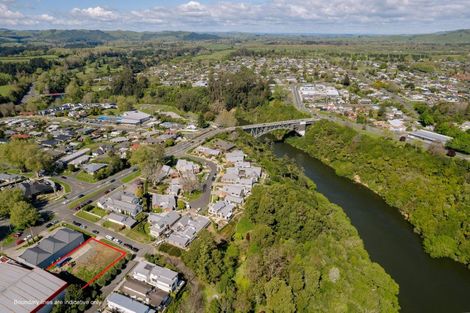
(139, 233)
(113, 226)
(99, 211)
(87, 216)
(64, 185)
(85, 177)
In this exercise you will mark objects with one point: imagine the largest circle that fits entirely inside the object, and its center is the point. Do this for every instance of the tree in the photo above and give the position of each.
(23, 214)
(346, 80)
(26, 156)
(201, 122)
(149, 158)
(8, 198)
(226, 119)
(73, 91)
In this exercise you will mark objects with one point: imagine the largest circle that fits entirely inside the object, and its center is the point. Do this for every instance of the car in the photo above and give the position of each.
(134, 249)
(94, 231)
(77, 223)
(128, 246)
(63, 177)
(27, 237)
(17, 234)
(112, 180)
(81, 195)
(19, 241)
(109, 237)
(55, 222)
(49, 225)
(116, 240)
(107, 191)
(83, 226)
(78, 208)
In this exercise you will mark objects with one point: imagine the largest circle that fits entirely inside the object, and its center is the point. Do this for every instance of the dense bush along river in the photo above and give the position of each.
(426, 284)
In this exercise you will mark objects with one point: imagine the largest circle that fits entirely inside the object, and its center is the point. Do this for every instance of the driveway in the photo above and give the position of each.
(205, 198)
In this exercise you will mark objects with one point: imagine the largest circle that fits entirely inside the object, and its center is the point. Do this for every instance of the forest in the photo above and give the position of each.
(432, 192)
(291, 251)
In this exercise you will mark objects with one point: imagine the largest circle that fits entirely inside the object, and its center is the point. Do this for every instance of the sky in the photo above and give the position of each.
(255, 16)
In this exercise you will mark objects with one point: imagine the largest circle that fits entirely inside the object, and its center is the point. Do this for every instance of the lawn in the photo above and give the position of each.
(169, 249)
(139, 233)
(64, 185)
(85, 177)
(130, 177)
(99, 211)
(14, 59)
(113, 226)
(87, 216)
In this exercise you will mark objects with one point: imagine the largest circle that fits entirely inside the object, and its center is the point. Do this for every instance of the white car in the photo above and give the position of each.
(117, 241)
(109, 237)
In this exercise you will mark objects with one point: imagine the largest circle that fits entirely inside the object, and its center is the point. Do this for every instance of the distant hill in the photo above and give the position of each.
(461, 36)
(55, 36)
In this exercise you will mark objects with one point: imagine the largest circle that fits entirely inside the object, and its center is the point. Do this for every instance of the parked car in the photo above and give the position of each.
(118, 241)
(77, 223)
(83, 226)
(17, 234)
(49, 225)
(19, 241)
(109, 237)
(63, 177)
(112, 180)
(27, 237)
(55, 222)
(94, 231)
(81, 195)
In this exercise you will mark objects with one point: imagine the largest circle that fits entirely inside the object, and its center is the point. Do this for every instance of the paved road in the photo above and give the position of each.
(205, 198)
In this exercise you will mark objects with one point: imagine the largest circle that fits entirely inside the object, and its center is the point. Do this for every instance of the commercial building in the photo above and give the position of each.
(27, 289)
(134, 117)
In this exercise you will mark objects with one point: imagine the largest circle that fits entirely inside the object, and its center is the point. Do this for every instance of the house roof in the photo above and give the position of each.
(130, 304)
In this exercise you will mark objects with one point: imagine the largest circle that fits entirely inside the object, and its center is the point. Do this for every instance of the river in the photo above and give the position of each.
(426, 284)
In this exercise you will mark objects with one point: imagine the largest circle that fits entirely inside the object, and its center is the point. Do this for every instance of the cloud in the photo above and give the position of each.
(259, 16)
(96, 13)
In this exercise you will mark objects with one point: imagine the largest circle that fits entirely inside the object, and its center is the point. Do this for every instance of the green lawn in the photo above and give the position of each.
(113, 226)
(130, 177)
(169, 249)
(139, 233)
(64, 185)
(87, 216)
(83, 176)
(99, 211)
(10, 59)
(81, 230)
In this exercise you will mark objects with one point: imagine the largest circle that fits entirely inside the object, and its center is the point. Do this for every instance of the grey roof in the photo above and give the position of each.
(50, 245)
(21, 283)
(130, 304)
(431, 136)
(121, 219)
(164, 201)
(161, 274)
(93, 167)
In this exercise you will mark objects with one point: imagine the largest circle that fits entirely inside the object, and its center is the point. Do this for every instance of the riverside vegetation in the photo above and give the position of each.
(291, 251)
(432, 192)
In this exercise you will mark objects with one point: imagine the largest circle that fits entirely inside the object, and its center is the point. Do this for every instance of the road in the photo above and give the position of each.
(205, 198)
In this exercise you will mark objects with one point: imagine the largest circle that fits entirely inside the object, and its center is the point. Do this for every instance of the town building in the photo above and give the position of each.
(157, 276)
(121, 202)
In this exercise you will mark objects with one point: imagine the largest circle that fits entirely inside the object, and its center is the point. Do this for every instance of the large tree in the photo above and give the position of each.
(149, 158)
(8, 198)
(23, 214)
(25, 155)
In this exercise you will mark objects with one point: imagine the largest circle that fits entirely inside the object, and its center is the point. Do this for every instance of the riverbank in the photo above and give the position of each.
(426, 284)
(431, 192)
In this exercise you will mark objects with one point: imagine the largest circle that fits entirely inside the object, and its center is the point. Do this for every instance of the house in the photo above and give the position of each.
(80, 160)
(222, 209)
(32, 189)
(166, 202)
(123, 220)
(121, 202)
(161, 222)
(223, 145)
(52, 248)
(183, 166)
(121, 303)
(157, 276)
(145, 293)
(186, 229)
(235, 156)
(68, 158)
(208, 151)
(19, 281)
(93, 168)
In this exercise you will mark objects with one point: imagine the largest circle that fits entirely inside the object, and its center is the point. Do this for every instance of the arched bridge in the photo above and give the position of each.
(298, 126)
